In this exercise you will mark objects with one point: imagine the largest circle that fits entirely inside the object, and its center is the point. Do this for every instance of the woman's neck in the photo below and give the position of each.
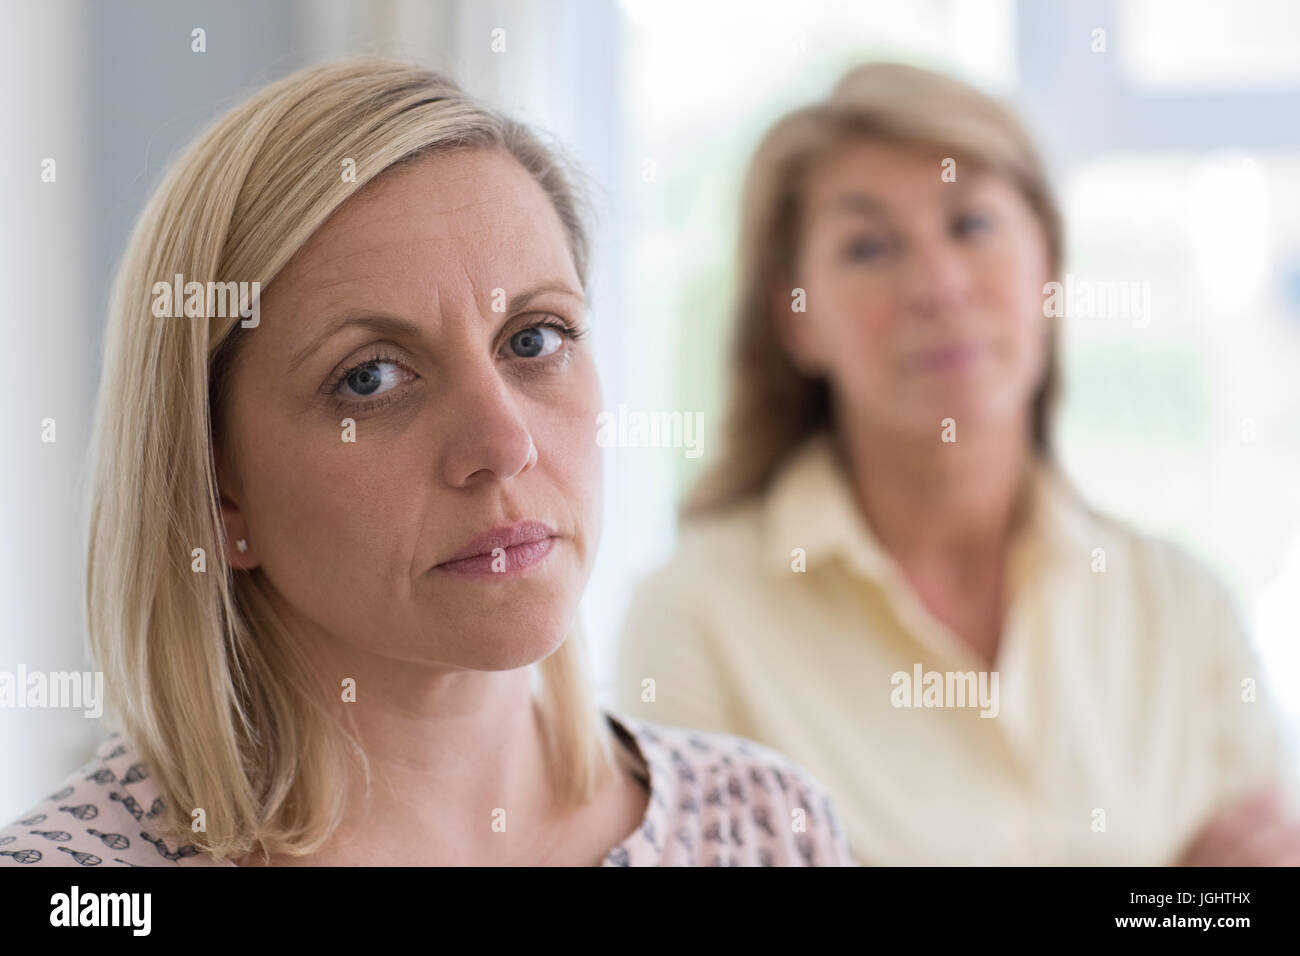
(946, 512)
(458, 765)
(939, 503)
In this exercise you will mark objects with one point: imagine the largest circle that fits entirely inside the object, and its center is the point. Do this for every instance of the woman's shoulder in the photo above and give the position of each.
(722, 800)
(99, 815)
(1159, 563)
(1150, 558)
(1180, 593)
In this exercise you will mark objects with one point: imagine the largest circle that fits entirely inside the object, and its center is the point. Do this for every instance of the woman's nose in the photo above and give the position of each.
(937, 278)
(489, 439)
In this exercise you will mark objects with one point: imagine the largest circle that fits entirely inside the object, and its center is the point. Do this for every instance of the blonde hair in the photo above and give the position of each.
(772, 406)
(202, 677)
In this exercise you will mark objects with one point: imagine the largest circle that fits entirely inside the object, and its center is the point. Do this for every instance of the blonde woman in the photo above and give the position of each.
(886, 576)
(332, 531)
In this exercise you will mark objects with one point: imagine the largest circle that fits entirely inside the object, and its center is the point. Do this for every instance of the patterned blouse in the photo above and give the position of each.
(715, 800)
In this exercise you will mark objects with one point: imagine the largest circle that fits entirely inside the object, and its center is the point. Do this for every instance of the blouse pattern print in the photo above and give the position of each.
(715, 800)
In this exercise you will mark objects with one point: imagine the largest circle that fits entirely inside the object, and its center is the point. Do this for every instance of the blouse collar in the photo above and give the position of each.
(811, 507)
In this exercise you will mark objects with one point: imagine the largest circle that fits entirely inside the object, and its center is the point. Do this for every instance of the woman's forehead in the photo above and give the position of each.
(445, 197)
(466, 217)
(878, 183)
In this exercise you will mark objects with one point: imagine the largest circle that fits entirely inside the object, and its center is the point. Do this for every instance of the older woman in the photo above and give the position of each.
(886, 576)
(332, 531)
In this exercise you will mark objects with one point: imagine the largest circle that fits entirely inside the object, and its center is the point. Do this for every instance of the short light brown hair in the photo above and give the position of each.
(771, 405)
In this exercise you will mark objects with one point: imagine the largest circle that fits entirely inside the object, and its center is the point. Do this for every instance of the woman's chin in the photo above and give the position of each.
(504, 646)
(948, 416)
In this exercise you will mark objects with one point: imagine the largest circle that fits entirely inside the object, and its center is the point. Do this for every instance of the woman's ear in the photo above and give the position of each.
(240, 552)
(239, 549)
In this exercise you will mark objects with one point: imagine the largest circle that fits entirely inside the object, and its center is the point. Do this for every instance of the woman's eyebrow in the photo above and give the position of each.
(971, 183)
(524, 299)
(387, 324)
(856, 203)
(392, 325)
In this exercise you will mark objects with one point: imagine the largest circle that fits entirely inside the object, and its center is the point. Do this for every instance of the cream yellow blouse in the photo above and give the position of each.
(1124, 707)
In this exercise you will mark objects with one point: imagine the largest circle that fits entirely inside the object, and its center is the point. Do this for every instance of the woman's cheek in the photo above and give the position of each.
(865, 339)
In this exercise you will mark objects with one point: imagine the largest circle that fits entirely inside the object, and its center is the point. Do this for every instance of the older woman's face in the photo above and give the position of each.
(435, 310)
(924, 297)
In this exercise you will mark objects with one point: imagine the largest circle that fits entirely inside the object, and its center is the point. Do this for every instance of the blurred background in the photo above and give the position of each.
(1175, 149)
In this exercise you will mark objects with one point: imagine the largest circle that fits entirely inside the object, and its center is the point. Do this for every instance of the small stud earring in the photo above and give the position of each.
(241, 544)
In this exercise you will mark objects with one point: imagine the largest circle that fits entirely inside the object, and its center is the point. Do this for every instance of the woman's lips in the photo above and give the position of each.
(503, 552)
(946, 358)
(504, 562)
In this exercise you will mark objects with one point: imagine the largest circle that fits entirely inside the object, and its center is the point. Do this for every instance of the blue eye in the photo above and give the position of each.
(370, 378)
(864, 249)
(970, 223)
(535, 341)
